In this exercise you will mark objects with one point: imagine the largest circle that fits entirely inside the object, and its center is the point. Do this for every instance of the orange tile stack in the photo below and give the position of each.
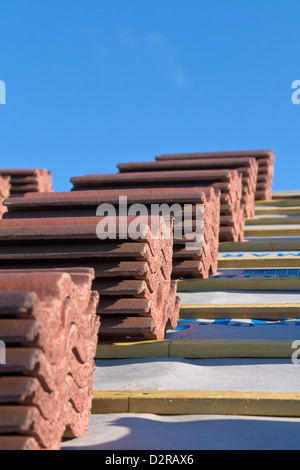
(192, 261)
(49, 325)
(264, 158)
(4, 192)
(133, 276)
(247, 166)
(28, 180)
(229, 182)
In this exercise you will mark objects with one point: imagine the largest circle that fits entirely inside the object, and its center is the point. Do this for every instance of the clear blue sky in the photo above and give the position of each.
(91, 83)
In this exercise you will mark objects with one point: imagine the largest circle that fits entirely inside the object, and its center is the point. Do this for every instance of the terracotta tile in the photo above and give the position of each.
(228, 181)
(264, 158)
(76, 205)
(49, 324)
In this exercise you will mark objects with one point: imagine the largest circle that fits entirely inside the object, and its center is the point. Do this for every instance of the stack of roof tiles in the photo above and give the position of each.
(264, 158)
(197, 261)
(26, 180)
(133, 277)
(247, 166)
(229, 182)
(49, 324)
(4, 192)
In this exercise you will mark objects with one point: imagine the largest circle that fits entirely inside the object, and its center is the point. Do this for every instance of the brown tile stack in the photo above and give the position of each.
(197, 262)
(229, 182)
(4, 192)
(27, 180)
(248, 167)
(264, 158)
(133, 277)
(49, 325)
